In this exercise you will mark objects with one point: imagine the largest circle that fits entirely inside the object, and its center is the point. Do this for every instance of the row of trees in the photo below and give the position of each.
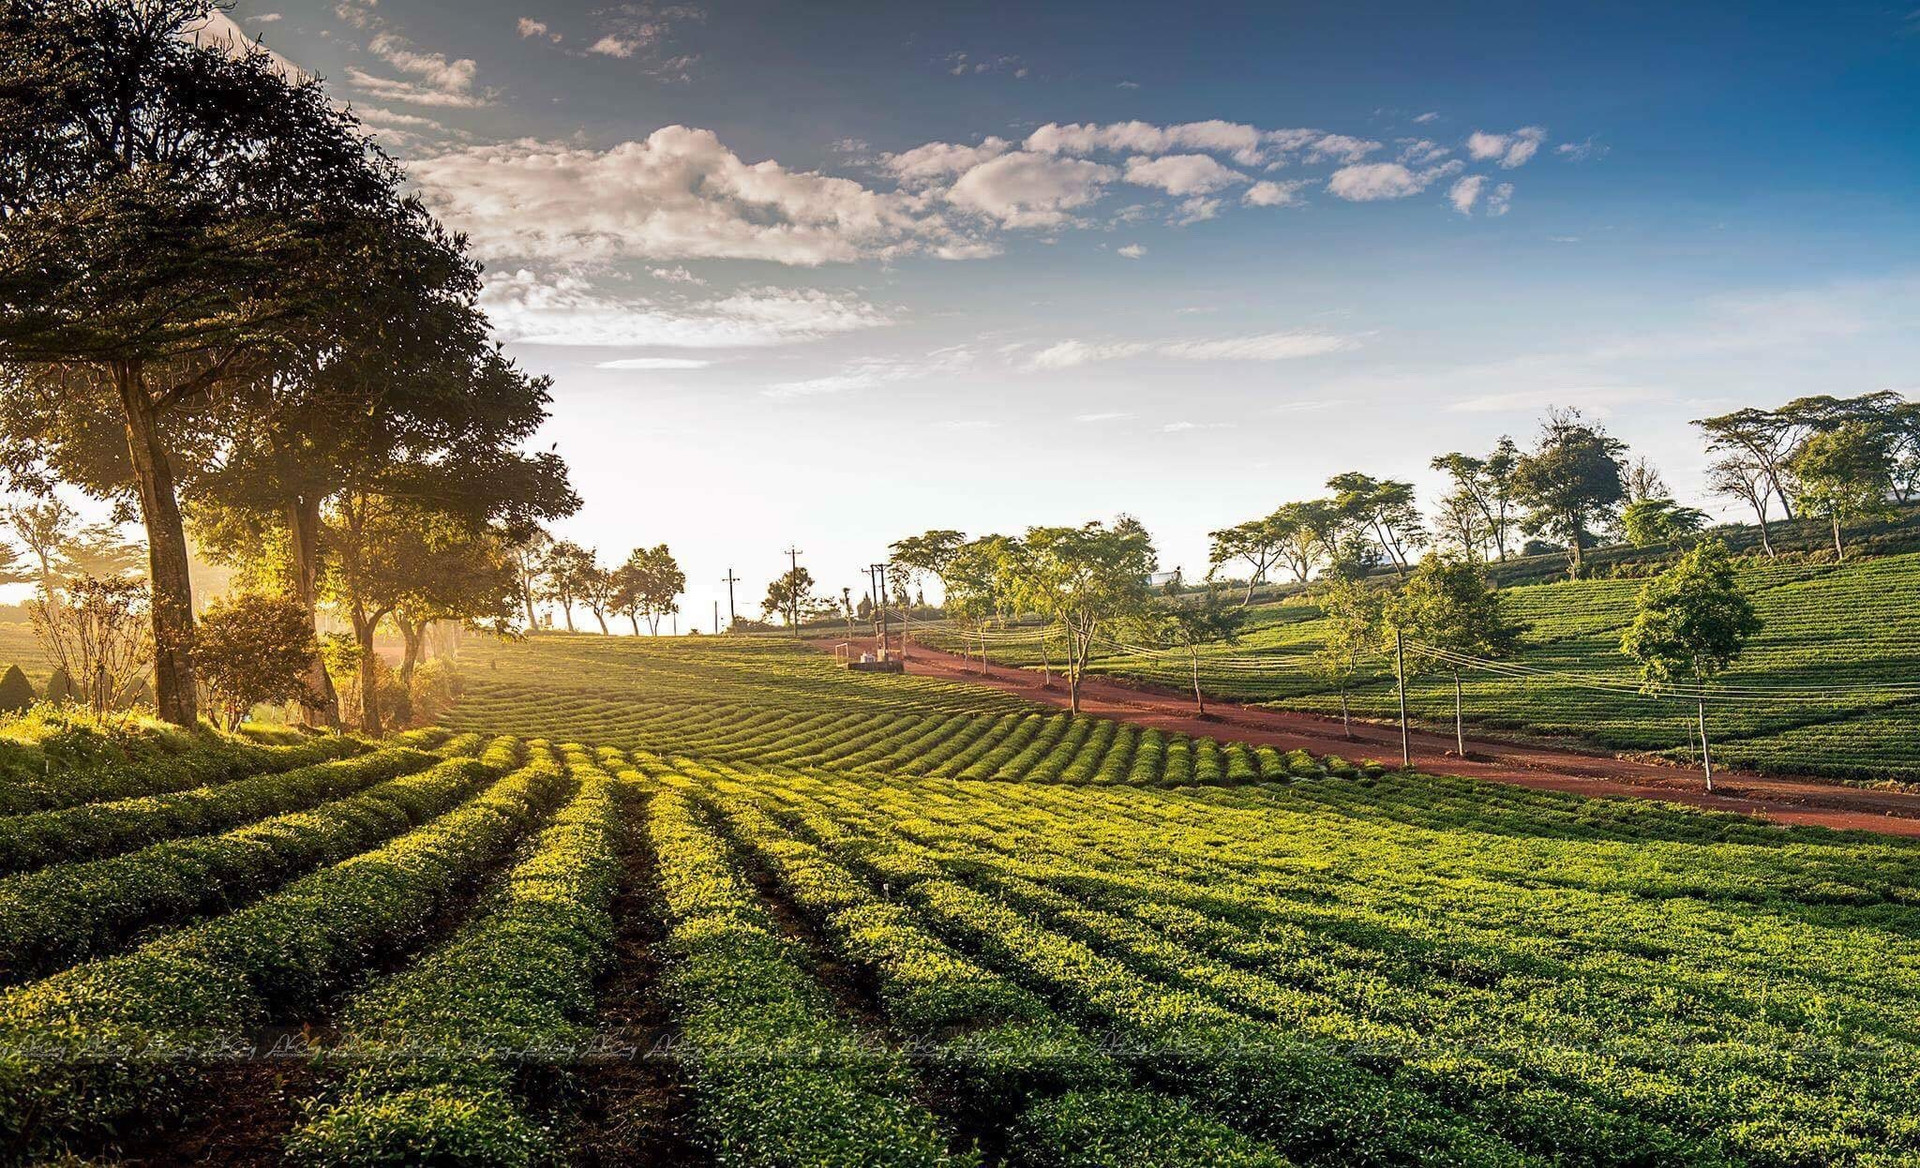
(1845, 459)
(221, 311)
(645, 586)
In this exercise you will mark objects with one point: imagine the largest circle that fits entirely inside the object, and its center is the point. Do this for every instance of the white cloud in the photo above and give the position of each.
(679, 194)
(1581, 151)
(390, 89)
(1132, 251)
(613, 46)
(871, 372)
(1597, 398)
(1510, 150)
(675, 275)
(530, 28)
(1466, 192)
(565, 310)
(1128, 85)
(219, 30)
(1110, 416)
(1244, 144)
(1181, 174)
(1281, 346)
(1025, 189)
(940, 160)
(1181, 427)
(1268, 193)
(1369, 181)
(1196, 210)
(1421, 151)
(655, 363)
(433, 69)
(1429, 116)
(1500, 199)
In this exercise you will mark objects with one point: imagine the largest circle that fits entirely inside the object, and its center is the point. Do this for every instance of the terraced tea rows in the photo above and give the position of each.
(1831, 635)
(965, 932)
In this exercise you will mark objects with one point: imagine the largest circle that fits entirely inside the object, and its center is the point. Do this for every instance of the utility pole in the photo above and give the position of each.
(716, 618)
(732, 618)
(877, 576)
(1400, 675)
(793, 592)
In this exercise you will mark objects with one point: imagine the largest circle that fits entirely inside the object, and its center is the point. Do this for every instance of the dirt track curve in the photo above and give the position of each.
(1806, 802)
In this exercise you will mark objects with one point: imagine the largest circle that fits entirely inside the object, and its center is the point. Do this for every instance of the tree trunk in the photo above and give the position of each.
(1400, 677)
(1199, 702)
(1459, 723)
(634, 617)
(566, 607)
(1577, 552)
(1346, 718)
(1766, 537)
(303, 549)
(413, 635)
(1839, 553)
(597, 615)
(173, 687)
(526, 600)
(363, 630)
(1706, 751)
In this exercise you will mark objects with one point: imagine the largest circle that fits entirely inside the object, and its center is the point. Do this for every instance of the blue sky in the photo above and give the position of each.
(833, 273)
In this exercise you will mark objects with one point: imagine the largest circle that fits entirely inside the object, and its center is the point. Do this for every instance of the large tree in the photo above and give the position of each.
(1845, 473)
(1257, 543)
(169, 212)
(1480, 506)
(1572, 483)
(649, 585)
(1384, 510)
(1087, 579)
(566, 569)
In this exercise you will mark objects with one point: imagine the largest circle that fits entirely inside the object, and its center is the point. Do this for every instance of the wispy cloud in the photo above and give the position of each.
(655, 363)
(1509, 150)
(1282, 346)
(566, 310)
(872, 372)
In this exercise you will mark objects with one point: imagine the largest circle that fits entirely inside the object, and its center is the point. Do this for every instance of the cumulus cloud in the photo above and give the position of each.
(434, 69)
(1181, 174)
(530, 28)
(937, 161)
(533, 309)
(1026, 189)
(1132, 251)
(1500, 199)
(679, 194)
(1244, 144)
(1268, 193)
(1509, 150)
(1371, 181)
(1466, 192)
(1279, 346)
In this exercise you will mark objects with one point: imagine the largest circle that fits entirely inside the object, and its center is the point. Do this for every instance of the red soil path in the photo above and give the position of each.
(1806, 802)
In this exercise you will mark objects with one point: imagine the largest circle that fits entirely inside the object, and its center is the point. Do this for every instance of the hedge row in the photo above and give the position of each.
(444, 1060)
(92, 1055)
(83, 765)
(94, 830)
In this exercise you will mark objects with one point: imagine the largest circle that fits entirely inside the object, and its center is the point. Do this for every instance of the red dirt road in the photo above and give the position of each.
(1806, 802)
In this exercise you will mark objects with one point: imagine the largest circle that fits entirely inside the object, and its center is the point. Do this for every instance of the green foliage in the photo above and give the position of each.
(1692, 621)
(1648, 522)
(1450, 604)
(1571, 484)
(16, 692)
(253, 649)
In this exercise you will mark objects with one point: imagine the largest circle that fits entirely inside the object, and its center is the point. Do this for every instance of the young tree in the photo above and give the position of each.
(1692, 622)
(648, 585)
(597, 589)
(1451, 610)
(1845, 473)
(253, 649)
(1644, 482)
(1309, 532)
(173, 210)
(790, 596)
(1189, 621)
(98, 632)
(1352, 612)
(45, 527)
(1571, 483)
(1085, 580)
(529, 563)
(974, 579)
(1385, 509)
(1650, 521)
(1257, 543)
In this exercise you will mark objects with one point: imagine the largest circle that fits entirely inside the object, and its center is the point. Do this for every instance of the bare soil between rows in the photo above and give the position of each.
(1803, 802)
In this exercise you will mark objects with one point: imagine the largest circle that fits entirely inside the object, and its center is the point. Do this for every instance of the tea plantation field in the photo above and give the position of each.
(718, 902)
(1833, 634)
